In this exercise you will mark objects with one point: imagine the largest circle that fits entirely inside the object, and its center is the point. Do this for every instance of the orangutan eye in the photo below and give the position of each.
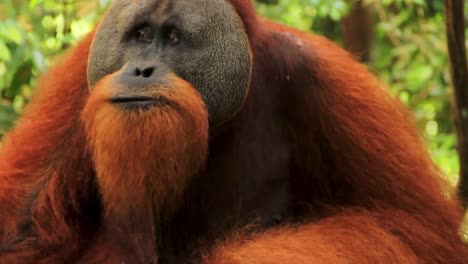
(145, 34)
(170, 35)
(172, 38)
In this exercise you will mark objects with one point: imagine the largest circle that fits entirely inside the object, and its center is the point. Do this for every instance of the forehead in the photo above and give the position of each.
(162, 7)
(192, 13)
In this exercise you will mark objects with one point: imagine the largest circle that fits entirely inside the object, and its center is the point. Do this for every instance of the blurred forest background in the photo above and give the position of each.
(402, 41)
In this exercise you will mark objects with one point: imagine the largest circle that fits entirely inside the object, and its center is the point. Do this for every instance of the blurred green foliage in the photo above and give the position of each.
(32, 33)
(409, 53)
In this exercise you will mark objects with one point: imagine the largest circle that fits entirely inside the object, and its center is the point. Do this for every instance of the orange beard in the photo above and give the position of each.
(144, 158)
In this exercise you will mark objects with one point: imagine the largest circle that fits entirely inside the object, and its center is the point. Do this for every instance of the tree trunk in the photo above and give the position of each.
(358, 30)
(455, 22)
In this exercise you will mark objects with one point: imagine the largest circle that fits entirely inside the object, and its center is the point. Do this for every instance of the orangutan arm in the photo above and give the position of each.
(350, 238)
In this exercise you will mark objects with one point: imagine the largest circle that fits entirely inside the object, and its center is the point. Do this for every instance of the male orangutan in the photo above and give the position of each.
(306, 158)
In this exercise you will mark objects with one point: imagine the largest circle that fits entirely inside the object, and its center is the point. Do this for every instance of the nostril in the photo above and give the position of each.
(147, 72)
(137, 72)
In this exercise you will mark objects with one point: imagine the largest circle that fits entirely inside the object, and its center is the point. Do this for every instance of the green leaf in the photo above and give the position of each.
(5, 53)
(418, 75)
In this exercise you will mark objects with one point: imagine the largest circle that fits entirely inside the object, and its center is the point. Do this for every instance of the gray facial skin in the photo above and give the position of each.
(202, 41)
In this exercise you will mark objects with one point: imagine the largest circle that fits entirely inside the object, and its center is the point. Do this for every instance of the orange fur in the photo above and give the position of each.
(341, 239)
(397, 211)
(41, 162)
(159, 147)
(363, 187)
(143, 160)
